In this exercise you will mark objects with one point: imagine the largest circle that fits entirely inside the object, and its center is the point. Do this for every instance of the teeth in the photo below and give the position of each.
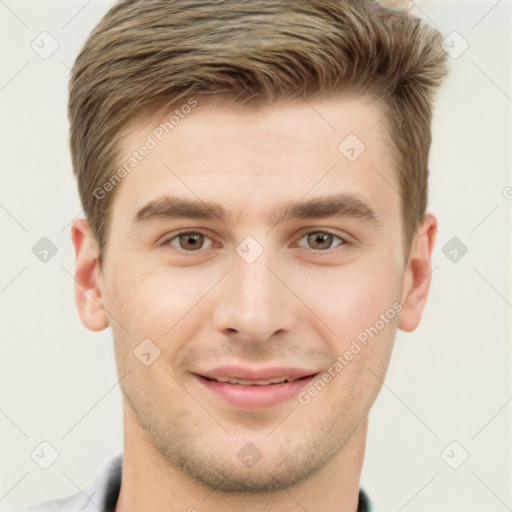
(243, 382)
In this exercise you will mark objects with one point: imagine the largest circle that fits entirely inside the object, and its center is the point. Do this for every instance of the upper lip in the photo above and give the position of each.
(251, 373)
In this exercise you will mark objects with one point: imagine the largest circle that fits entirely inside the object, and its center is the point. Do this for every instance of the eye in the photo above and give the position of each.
(188, 241)
(321, 240)
(194, 241)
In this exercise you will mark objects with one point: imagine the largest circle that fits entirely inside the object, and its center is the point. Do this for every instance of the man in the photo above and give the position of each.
(254, 179)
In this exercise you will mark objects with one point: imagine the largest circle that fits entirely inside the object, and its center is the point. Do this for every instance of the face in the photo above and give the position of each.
(255, 244)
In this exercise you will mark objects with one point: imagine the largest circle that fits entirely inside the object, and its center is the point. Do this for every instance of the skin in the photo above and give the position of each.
(293, 306)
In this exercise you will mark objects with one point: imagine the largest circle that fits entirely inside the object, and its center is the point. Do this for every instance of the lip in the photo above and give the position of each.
(248, 373)
(256, 396)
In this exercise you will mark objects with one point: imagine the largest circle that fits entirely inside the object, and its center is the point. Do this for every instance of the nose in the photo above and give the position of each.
(254, 301)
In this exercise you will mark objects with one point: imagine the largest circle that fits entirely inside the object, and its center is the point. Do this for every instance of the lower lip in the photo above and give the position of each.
(256, 396)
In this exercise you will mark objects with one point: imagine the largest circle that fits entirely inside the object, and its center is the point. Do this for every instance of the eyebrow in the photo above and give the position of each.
(340, 205)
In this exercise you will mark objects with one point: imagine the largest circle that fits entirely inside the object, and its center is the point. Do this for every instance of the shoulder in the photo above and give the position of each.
(69, 503)
(101, 495)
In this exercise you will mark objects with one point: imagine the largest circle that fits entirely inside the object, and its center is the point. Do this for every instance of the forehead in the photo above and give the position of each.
(249, 158)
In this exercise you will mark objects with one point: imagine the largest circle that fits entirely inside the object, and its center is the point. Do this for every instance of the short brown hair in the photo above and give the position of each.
(145, 53)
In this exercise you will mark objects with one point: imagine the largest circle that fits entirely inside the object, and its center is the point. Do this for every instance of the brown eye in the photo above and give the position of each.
(188, 241)
(321, 240)
(192, 241)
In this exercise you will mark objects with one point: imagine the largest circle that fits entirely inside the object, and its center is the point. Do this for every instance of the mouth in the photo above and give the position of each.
(245, 382)
(255, 393)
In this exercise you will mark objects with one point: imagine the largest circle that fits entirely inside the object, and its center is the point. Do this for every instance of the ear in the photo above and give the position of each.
(88, 280)
(417, 275)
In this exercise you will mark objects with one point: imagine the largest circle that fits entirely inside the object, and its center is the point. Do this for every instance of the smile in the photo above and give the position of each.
(255, 393)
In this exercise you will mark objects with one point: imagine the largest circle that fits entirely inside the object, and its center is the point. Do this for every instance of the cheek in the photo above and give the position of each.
(152, 303)
(351, 299)
(361, 308)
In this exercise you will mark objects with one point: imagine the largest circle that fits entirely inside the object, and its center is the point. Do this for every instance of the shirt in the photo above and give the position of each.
(103, 493)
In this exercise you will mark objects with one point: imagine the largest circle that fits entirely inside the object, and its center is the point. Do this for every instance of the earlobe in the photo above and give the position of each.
(417, 275)
(88, 282)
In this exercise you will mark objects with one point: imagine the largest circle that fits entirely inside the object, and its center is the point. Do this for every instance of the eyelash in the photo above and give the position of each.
(167, 241)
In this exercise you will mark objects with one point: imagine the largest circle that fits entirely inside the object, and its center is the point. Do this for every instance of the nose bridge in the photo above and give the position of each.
(254, 301)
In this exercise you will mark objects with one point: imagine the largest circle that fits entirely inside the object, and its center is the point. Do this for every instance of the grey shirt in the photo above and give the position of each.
(100, 496)
(103, 493)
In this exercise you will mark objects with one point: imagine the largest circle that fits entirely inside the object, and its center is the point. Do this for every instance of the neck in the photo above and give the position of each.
(151, 482)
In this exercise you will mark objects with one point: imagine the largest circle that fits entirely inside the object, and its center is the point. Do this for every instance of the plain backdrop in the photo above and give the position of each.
(448, 393)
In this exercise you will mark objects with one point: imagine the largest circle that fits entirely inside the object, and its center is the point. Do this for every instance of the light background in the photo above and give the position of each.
(448, 381)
